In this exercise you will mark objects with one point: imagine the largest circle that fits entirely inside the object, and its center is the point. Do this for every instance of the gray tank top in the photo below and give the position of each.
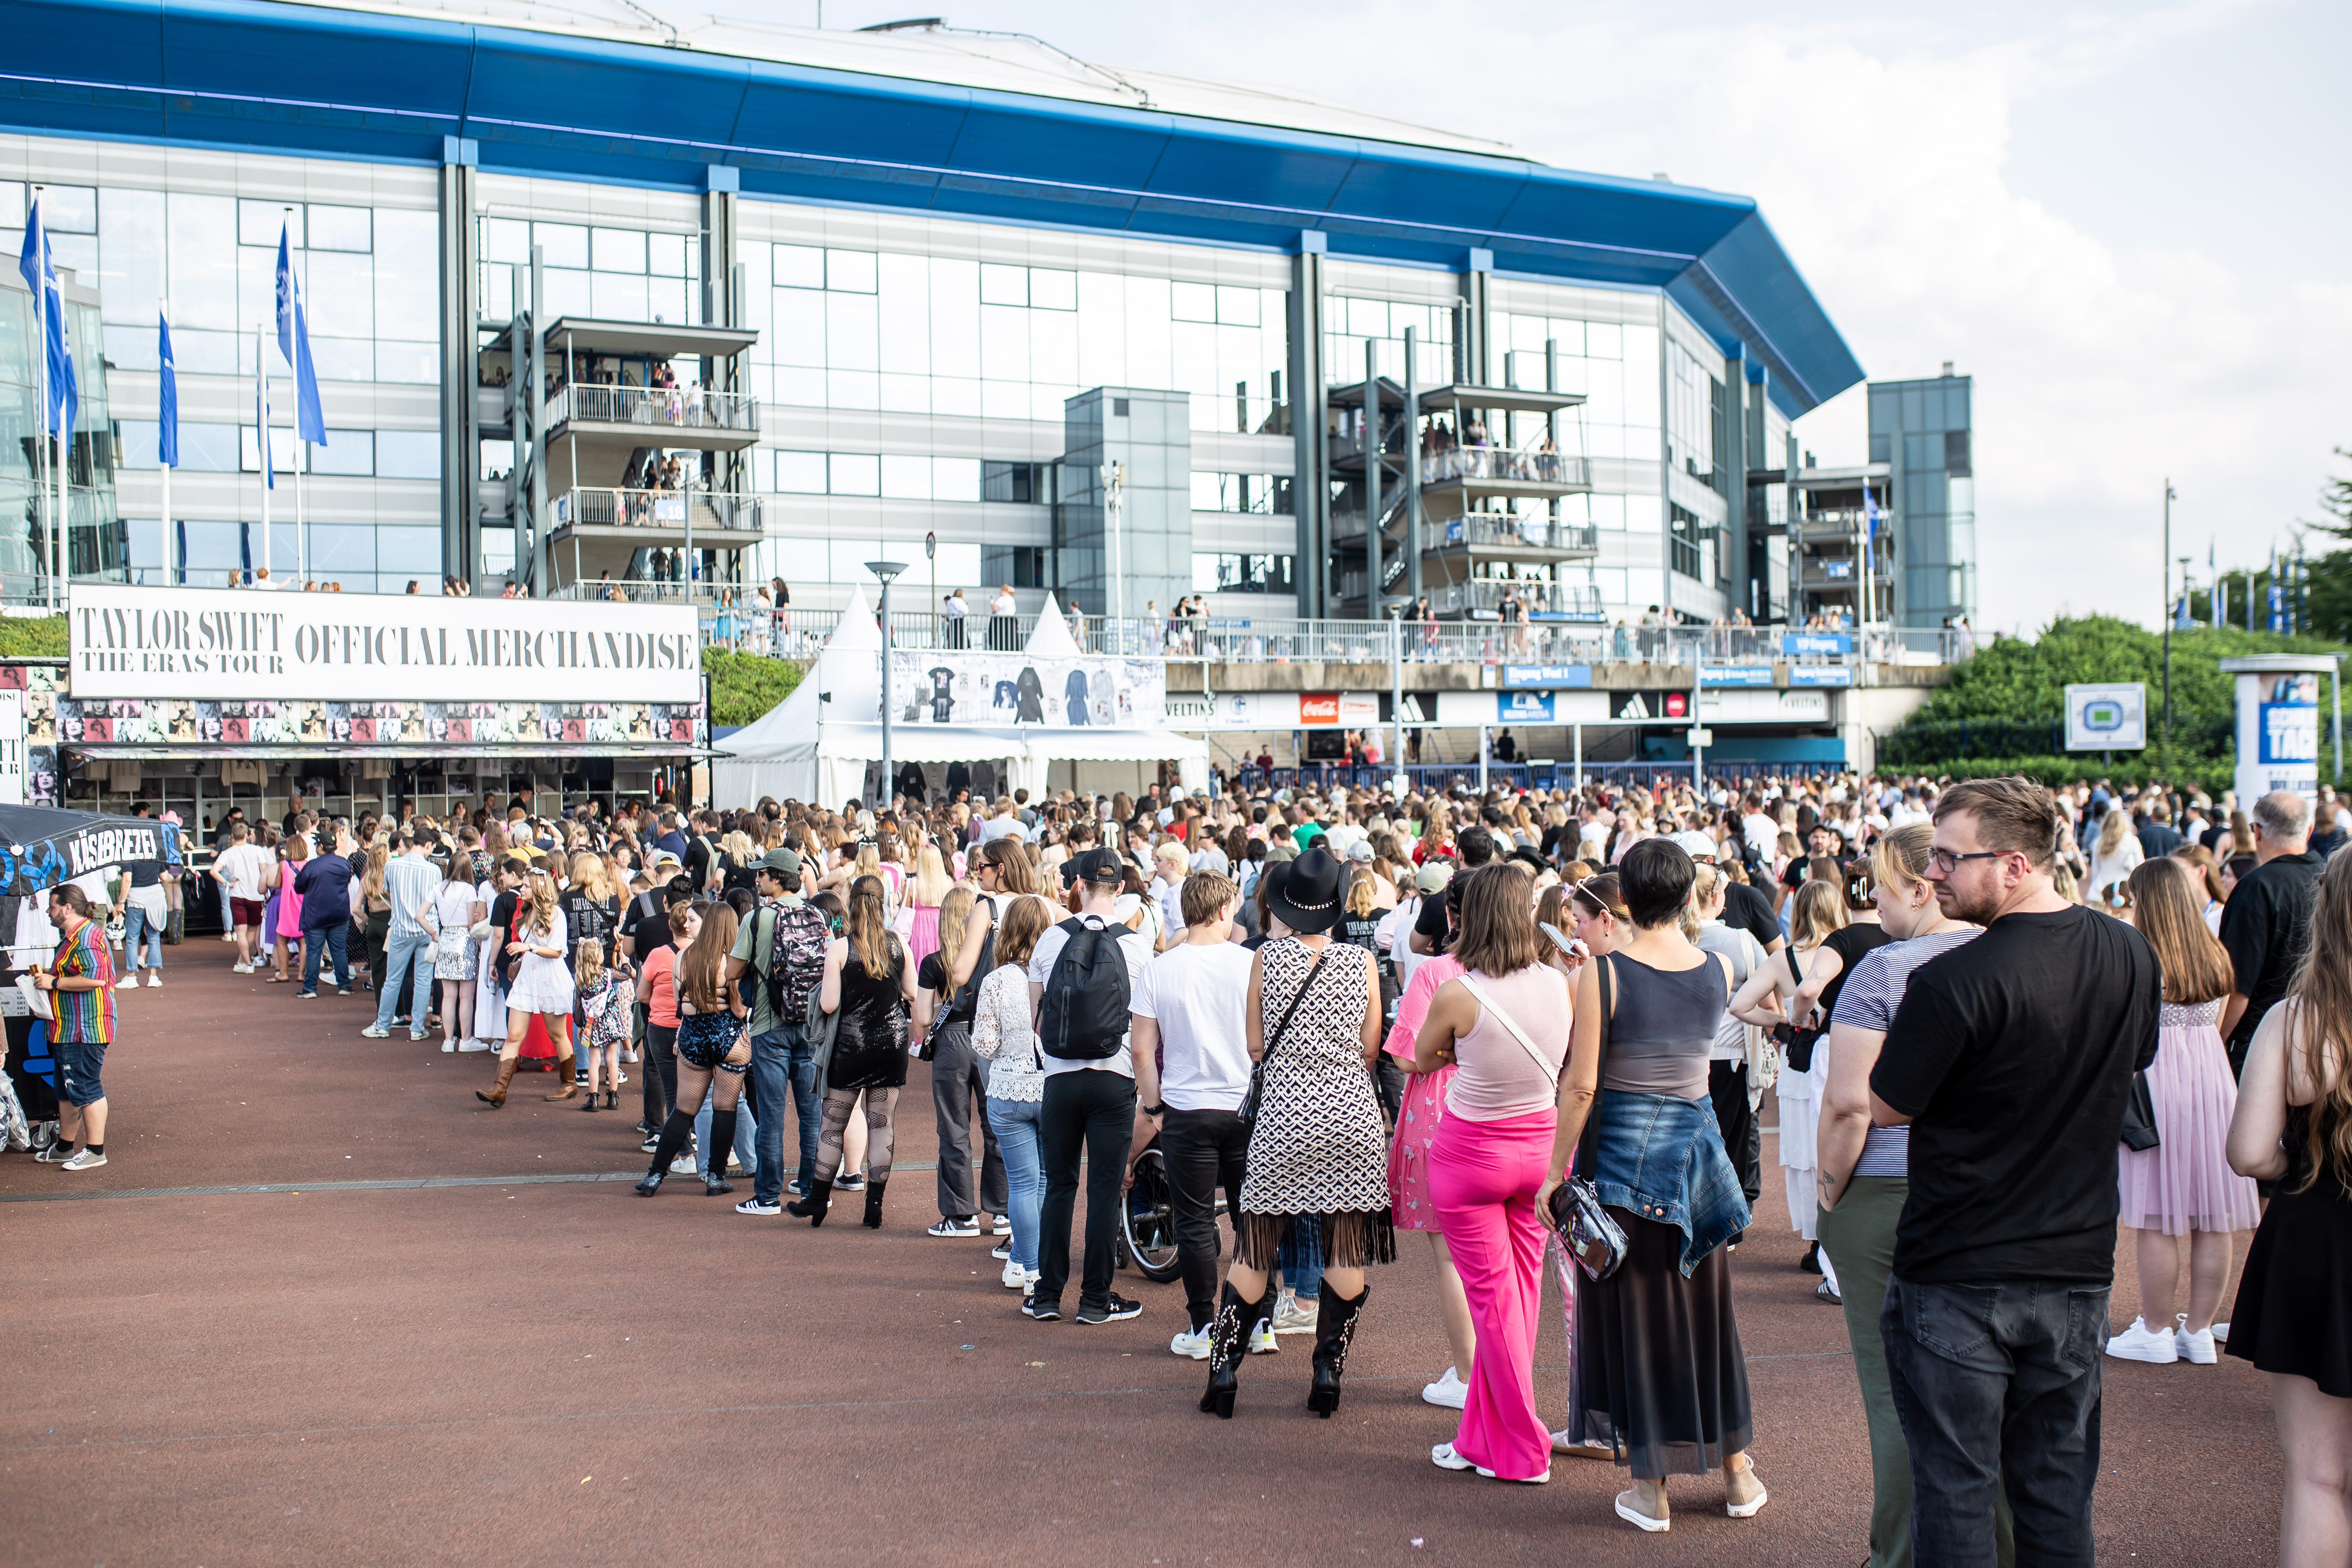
(1662, 1029)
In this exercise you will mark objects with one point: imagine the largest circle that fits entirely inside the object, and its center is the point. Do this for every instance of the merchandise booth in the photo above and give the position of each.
(197, 700)
(1047, 714)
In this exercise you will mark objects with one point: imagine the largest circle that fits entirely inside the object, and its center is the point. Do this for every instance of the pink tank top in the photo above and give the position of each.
(1497, 1076)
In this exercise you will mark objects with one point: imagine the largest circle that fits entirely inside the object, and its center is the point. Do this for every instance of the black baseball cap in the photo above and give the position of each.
(1101, 866)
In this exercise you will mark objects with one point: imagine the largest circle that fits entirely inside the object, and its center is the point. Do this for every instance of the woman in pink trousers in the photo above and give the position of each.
(1502, 1024)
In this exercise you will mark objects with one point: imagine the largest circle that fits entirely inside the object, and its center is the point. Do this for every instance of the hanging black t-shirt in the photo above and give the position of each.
(943, 682)
(2013, 1055)
(1033, 697)
(2266, 925)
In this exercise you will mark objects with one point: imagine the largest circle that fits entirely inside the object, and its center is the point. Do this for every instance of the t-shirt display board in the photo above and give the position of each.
(966, 688)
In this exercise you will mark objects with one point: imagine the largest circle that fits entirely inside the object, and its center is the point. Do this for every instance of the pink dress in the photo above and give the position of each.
(289, 903)
(922, 932)
(2185, 1183)
(1423, 1106)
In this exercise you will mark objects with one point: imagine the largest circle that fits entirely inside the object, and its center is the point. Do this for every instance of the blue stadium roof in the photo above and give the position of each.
(312, 80)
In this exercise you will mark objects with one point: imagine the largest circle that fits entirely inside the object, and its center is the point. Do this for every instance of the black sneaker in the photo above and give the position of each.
(1044, 1312)
(1811, 1263)
(1110, 1312)
(850, 1184)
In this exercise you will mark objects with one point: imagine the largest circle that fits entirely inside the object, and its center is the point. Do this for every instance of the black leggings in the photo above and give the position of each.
(659, 1073)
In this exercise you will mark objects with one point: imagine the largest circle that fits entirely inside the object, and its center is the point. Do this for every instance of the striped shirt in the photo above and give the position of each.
(1871, 993)
(86, 1015)
(409, 882)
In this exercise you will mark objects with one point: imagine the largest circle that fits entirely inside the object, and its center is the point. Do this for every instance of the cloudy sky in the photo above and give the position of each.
(2128, 224)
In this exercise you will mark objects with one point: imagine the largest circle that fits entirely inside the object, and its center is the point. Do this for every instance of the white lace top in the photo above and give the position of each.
(1003, 1036)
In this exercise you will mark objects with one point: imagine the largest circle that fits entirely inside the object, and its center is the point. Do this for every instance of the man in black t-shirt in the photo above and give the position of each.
(1821, 843)
(2011, 1059)
(2266, 924)
(1472, 847)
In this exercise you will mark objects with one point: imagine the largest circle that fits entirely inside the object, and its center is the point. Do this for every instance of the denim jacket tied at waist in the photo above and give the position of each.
(1662, 1157)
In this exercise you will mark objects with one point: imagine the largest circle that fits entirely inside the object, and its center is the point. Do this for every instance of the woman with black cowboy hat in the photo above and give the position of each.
(1319, 1147)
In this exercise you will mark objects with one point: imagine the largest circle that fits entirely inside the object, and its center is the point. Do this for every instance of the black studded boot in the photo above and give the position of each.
(1334, 1331)
(1228, 1340)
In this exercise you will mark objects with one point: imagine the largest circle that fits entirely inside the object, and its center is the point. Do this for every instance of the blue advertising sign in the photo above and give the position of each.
(1523, 707)
(1538, 677)
(1802, 644)
(1820, 675)
(1735, 675)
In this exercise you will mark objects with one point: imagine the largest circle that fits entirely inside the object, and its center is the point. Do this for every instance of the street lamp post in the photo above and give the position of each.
(886, 570)
(1395, 605)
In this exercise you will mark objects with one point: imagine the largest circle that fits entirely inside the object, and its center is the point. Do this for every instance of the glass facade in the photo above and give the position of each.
(94, 537)
(1922, 429)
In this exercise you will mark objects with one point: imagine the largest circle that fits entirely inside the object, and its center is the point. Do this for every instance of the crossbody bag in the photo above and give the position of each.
(1586, 1232)
(1257, 1068)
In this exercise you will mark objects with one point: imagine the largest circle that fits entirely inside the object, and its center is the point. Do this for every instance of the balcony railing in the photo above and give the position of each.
(1504, 465)
(799, 633)
(705, 509)
(1502, 530)
(661, 407)
(1484, 597)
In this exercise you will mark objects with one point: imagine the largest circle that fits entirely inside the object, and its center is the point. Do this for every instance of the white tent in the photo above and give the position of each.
(814, 744)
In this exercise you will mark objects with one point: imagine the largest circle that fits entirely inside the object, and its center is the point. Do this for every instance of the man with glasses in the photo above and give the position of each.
(2009, 1058)
(2266, 923)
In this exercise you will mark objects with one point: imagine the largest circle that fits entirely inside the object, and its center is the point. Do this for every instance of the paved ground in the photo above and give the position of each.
(516, 1368)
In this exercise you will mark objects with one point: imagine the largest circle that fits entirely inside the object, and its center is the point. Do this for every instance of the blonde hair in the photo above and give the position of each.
(539, 888)
(1819, 909)
(955, 913)
(588, 963)
(1900, 858)
(588, 875)
(1705, 880)
(931, 881)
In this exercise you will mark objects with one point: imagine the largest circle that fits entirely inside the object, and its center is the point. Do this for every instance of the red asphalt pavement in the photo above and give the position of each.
(559, 1372)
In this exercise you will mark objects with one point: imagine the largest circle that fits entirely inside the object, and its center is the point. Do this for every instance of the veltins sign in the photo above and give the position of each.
(223, 643)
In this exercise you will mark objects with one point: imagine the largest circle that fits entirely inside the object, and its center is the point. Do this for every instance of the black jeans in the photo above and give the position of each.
(1998, 1388)
(1091, 1111)
(1743, 1139)
(658, 1072)
(1204, 1149)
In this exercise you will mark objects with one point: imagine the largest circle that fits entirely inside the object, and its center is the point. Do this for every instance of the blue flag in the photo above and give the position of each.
(294, 343)
(180, 571)
(167, 427)
(61, 394)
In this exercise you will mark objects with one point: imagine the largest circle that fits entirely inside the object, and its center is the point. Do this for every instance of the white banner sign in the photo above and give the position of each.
(12, 747)
(929, 687)
(230, 644)
(2107, 716)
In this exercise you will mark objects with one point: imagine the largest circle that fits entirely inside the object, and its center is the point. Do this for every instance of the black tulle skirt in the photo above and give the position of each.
(1658, 1373)
(2294, 1313)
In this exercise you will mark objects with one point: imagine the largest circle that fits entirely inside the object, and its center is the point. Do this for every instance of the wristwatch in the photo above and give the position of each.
(1156, 1110)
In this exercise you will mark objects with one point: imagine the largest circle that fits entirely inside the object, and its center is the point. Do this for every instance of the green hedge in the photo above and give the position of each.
(744, 685)
(32, 637)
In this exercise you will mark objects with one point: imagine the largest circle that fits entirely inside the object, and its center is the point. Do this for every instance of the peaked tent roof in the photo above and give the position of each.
(1050, 637)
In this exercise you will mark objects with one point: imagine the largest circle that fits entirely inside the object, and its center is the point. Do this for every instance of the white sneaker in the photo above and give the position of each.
(2141, 1342)
(1443, 1456)
(154, 978)
(1449, 1390)
(1015, 1276)
(372, 1033)
(83, 1160)
(1262, 1343)
(1290, 1317)
(2221, 1333)
(448, 1047)
(1004, 1225)
(685, 1164)
(471, 1045)
(128, 981)
(240, 969)
(1194, 1346)
(2196, 1349)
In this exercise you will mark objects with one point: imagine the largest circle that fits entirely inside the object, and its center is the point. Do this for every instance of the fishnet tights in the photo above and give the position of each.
(879, 1104)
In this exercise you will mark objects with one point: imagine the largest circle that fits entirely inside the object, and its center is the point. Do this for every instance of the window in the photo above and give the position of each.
(1693, 545)
(1021, 482)
(1213, 573)
(408, 454)
(1260, 493)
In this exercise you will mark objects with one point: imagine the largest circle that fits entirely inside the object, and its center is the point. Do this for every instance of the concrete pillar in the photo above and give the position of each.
(1310, 484)
(461, 448)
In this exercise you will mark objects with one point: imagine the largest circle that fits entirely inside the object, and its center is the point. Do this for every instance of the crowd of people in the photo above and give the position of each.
(1540, 1029)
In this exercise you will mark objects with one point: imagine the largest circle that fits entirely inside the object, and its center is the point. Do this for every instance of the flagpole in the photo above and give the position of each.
(302, 452)
(41, 392)
(261, 412)
(163, 313)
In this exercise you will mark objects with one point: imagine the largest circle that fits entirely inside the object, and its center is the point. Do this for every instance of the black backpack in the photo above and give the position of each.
(1084, 1014)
